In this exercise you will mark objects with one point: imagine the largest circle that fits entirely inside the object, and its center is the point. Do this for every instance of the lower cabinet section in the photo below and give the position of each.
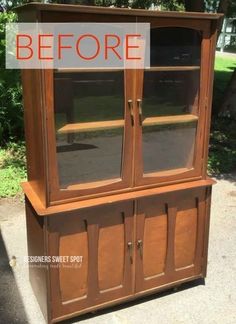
(113, 252)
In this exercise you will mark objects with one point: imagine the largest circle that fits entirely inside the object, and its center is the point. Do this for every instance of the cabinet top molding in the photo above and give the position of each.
(114, 11)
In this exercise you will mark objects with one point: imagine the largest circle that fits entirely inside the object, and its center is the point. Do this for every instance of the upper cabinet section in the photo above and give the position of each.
(116, 131)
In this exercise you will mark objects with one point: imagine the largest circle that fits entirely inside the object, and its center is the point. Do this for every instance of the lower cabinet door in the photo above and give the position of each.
(101, 239)
(170, 230)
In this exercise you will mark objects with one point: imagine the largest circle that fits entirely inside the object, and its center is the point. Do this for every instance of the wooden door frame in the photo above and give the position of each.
(94, 296)
(171, 273)
(184, 174)
(61, 195)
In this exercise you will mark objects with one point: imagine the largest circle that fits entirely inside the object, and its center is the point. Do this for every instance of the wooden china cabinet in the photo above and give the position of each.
(117, 164)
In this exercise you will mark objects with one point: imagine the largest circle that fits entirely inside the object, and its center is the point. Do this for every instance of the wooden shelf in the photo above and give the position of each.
(91, 126)
(76, 70)
(173, 68)
(151, 69)
(165, 120)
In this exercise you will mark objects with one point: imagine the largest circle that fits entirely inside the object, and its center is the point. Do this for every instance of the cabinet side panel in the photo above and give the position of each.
(36, 247)
(34, 136)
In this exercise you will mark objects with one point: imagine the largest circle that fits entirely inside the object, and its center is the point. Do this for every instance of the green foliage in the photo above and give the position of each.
(11, 111)
(172, 5)
(8, 5)
(12, 169)
(224, 67)
(222, 154)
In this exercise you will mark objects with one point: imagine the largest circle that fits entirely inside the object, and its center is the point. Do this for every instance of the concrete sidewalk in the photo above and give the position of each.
(212, 303)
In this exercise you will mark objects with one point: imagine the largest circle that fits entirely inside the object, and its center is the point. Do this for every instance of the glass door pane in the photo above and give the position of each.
(170, 103)
(168, 109)
(89, 123)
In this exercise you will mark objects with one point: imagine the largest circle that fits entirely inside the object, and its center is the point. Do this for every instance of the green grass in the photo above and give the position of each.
(12, 169)
(222, 153)
(224, 67)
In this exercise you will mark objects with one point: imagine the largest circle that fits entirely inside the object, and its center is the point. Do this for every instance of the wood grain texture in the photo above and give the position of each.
(155, 244)
(172, 68)
(111, 253)
(185, 234)
(115, 11)
(169, 120)
(91, 126)
(37, 247)
(126, 196)
(73, 276)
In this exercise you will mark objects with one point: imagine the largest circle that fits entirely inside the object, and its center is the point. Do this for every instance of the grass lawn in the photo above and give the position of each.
(222, 157)
(224, 66)
(222, 154)
(12, 169)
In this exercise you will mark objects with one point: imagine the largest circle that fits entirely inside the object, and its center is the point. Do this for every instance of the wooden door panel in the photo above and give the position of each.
(87, 165)
(73, 277)
(114, 267)
(155, 243)
(185, 233)
(111, 254)
(100, 237)
(171, 228)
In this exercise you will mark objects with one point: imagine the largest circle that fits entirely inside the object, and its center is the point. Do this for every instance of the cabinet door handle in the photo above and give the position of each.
(130, 103)
(140, 248)
(130, 247)
(140, 112)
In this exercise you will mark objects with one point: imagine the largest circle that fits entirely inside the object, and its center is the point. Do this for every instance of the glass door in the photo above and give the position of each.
(93, 132)
(168, 101)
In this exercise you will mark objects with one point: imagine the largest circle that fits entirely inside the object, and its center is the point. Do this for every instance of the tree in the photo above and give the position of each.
(193, 5)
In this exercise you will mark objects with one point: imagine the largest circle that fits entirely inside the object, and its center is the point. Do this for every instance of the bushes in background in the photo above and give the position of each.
(11, 110)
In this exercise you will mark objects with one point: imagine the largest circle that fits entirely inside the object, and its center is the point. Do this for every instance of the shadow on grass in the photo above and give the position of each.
(222, 149)
(11, 307)
(14, 156)
(141, 300)
(221, 80)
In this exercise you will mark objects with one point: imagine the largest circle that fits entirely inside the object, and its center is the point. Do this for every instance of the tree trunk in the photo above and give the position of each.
(193, 5)
(222, 8)
(228, 107)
